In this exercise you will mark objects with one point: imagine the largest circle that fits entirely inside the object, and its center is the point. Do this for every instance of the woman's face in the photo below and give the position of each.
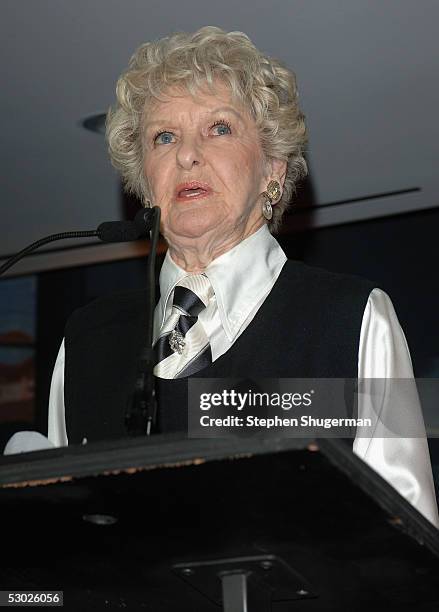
(205, 169)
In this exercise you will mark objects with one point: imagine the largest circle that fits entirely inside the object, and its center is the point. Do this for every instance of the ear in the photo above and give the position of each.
(278, 169)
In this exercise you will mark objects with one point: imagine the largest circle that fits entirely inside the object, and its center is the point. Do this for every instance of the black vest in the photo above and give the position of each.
(308, 327)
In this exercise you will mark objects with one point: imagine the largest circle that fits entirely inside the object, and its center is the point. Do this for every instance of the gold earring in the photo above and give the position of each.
(273, 191)
(271, 194)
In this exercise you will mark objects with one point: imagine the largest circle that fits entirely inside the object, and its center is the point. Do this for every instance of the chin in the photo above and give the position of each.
(195, 224)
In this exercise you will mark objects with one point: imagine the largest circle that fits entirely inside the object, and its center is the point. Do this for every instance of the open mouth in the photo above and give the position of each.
(192, 191)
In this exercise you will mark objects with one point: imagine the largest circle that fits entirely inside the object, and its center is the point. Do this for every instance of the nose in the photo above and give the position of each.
(189, 152)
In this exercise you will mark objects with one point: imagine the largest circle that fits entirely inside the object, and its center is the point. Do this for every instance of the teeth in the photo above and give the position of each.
(192, 192)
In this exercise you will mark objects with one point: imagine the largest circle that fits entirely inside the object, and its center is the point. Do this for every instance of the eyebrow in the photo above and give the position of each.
(226, 109)
(221, 109)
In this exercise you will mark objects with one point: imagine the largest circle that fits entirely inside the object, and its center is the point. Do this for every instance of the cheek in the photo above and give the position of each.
(250, 174)
(238, 170)
(148, 174)
(250, 162)
(155, 181)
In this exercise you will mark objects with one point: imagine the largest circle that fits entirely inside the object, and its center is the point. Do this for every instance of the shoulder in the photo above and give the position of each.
(315, 280)
(105, 311)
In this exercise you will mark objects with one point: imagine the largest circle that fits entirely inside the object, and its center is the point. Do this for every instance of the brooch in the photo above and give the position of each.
(176, 341)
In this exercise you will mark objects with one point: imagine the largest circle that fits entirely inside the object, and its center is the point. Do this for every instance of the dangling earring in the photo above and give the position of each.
(271, 194)
(267, 210)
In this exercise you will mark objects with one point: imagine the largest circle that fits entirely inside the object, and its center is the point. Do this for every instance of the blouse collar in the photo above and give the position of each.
(240, 279)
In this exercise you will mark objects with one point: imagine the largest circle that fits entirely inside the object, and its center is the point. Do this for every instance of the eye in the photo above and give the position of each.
(221, 128)
(164, 138)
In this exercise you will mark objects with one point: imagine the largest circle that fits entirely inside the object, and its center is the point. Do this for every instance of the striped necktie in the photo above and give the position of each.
(183, 347)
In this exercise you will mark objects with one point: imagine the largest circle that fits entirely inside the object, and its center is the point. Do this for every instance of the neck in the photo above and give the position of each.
(194, 255)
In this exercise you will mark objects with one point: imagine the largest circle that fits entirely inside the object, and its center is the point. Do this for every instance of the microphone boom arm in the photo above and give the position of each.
(109, 231)
(36, 245)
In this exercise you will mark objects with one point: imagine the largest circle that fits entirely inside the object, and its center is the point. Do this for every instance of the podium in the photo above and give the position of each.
(258, 525)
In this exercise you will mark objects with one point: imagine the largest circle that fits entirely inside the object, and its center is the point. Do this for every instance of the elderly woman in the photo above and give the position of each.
(209, 129)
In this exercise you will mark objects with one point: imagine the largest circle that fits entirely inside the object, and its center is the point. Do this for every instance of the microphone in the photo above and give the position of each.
(144, 220)
(118, 231)
(110, 231)
(141, 413)
(125, 231)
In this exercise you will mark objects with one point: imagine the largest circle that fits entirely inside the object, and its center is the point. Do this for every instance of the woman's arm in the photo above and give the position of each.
(403, 461)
